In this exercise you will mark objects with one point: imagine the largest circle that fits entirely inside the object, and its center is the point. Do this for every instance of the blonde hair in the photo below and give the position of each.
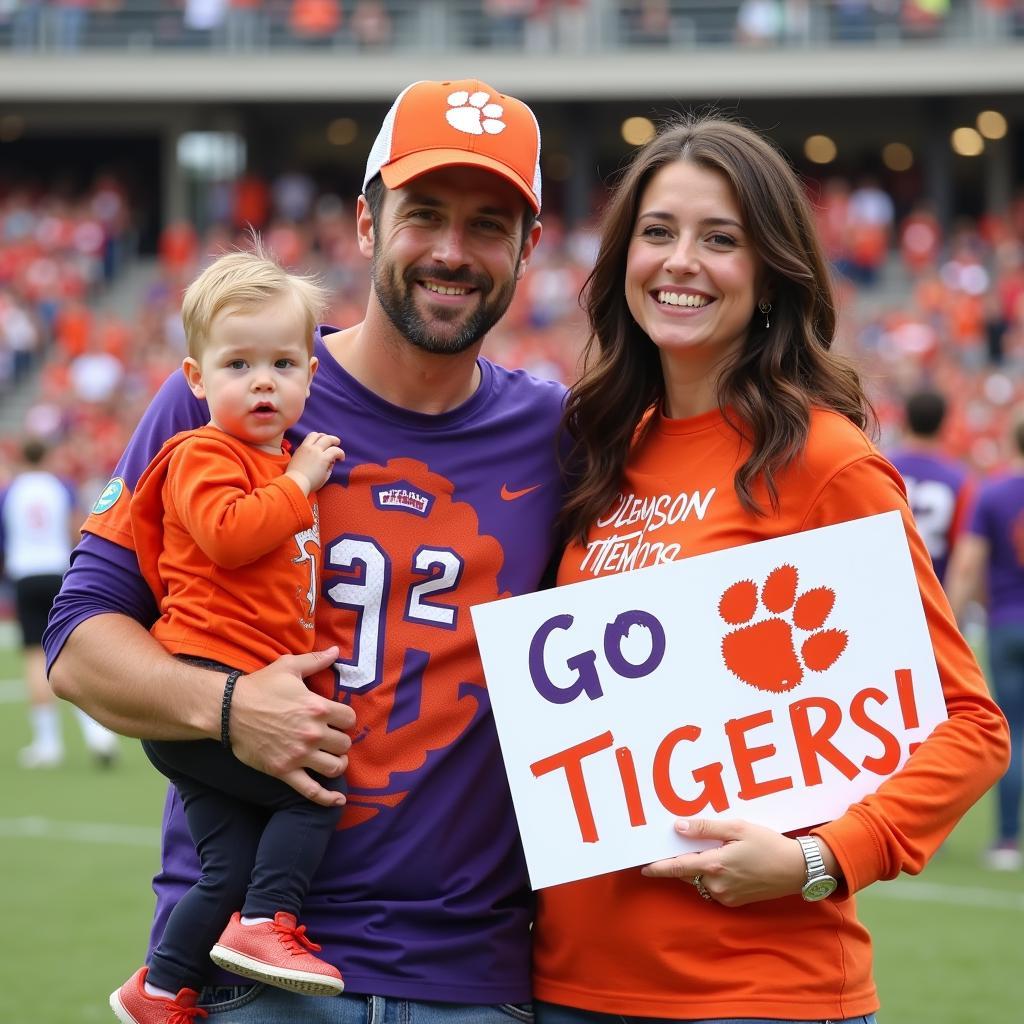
(240, 281)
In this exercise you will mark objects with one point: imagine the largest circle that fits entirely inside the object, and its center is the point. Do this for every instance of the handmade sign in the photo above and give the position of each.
(776, 682)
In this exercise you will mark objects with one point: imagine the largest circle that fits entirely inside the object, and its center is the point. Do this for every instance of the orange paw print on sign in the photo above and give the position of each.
(763, 654)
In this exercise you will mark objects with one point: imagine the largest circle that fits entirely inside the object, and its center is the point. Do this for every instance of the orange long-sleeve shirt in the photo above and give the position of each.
(230, 547)
(622, 943)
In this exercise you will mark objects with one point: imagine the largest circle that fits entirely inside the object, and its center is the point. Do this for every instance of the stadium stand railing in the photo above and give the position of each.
(584, 26)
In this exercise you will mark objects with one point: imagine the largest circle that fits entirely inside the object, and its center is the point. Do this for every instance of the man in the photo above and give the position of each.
(988, 566)
(37, 511)
(446, 498)
(938, 487)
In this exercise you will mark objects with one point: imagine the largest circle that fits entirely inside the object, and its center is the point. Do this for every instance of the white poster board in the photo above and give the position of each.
(776, 682)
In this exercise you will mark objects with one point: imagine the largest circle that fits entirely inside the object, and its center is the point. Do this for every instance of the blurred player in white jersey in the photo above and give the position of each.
(37, 519)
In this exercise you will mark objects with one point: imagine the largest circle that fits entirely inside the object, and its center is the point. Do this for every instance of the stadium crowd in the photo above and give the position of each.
(920, 306)
(533, 25)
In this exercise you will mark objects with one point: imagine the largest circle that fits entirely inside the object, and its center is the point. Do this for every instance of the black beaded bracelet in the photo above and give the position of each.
(225, 708)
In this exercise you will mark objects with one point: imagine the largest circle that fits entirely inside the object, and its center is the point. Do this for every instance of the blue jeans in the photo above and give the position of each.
(262, 1004)
(1006, 666)
(549, 1013)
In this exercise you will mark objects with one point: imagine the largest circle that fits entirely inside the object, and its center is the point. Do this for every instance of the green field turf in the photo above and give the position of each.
(78, 847)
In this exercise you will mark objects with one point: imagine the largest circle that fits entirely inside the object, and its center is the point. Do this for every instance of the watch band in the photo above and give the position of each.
(812, 856)
(819, 883)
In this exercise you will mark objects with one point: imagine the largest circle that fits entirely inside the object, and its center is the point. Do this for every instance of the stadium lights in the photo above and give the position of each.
(820, 149)
(897, 156)
(992, 124)
(967, 142)
(637, 130)
(212, 155)
(342, 131)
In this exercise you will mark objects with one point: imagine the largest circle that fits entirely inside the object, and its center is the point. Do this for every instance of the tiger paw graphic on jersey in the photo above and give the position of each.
(763, 654)
(403, 562)
(474, 114)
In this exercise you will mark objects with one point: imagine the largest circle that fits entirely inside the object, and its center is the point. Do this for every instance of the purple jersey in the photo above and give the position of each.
(937, 490)
(999, 518)
(423, 892)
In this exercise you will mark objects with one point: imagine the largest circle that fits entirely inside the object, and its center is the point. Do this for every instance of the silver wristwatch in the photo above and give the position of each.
(820, 884)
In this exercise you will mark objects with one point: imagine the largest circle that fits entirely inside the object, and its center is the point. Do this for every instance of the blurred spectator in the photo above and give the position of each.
(758, 22)
(110, 208)
(314, 22)
(1006, 312)
(937, 486)
(20, 340)
(869, 222)
(371, 25)
(26, 24)
(252, 202)
(568, 21)
(831, 208)
(648, 22)
(72, 328)
(797, 21)
(288, 243)
(203, 18)
(69, 22)
(988, 566)
(95, 375)
(993, 19)
(920, 238)
(552, 289)
(245, 24)
(854, 21)
(924, 18)
(178, 247)
(506, 21)
(293, 193)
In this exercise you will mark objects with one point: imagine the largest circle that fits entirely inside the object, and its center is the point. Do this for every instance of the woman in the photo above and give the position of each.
(709, 368)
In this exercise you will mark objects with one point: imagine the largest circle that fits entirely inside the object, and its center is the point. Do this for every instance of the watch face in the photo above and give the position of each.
(819, 888)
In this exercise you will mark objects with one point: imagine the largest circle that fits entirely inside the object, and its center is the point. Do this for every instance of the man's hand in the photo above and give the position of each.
(282, 728)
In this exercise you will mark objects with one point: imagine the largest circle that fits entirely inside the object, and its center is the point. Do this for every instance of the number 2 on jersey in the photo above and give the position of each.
(365, 589)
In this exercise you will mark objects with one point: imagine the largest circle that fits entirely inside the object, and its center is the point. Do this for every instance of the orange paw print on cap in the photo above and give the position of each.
(763, 654)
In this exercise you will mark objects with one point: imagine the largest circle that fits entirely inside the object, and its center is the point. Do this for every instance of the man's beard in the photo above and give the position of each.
(398, 301)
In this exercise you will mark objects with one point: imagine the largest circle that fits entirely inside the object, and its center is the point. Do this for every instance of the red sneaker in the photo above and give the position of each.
(134, 1005)
(277, 953)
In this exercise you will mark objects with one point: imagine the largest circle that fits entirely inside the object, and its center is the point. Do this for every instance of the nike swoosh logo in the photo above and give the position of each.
(507, 495)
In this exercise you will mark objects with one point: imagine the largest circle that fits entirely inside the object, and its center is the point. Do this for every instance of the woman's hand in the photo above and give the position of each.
(753, 863)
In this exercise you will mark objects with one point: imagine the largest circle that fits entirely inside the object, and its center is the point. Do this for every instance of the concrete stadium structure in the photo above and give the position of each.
(126, 94)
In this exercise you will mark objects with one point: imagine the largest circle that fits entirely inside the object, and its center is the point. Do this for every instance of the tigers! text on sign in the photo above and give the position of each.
(777, 682)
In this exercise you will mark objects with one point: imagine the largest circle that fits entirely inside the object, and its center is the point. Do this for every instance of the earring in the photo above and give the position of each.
(766, 308)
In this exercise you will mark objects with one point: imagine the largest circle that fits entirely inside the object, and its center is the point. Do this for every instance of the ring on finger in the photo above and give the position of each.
(698, 881)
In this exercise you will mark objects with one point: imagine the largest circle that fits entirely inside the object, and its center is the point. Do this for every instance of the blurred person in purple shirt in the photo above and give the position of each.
(988, 566)
(938, 487)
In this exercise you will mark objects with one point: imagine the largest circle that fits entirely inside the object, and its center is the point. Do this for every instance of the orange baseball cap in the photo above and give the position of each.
(458, 124)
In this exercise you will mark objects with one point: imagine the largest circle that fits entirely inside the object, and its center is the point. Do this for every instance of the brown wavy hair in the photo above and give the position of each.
(766, 391)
